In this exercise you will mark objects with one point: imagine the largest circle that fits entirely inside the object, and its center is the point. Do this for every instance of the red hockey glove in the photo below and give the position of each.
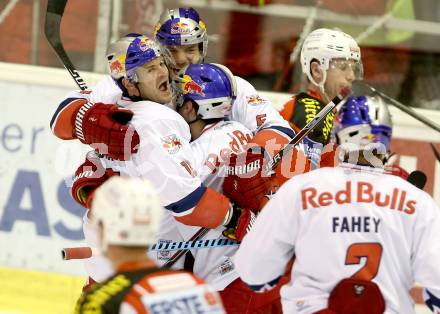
(104, 127)
(356, 296)
(88, 177)
(239, 223)
(245, 183)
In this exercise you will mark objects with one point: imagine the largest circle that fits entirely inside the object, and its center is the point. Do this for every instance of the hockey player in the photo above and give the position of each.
(180, 30)
(183, 37)
(331, 60)
(127, 213)
(361, 237)
(214, 139)
(164, 154)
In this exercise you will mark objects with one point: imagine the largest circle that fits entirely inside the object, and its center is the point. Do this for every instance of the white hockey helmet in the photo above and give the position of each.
(324, 45)
(129, 210)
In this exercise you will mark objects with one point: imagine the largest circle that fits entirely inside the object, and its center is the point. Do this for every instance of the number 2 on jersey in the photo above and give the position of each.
(372, 252)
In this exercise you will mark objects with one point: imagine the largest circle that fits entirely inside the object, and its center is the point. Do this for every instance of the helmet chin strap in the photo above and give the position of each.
(136, 98)
(321, 85)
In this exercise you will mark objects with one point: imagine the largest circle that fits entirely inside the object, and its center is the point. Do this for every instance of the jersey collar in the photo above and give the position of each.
(359, 168)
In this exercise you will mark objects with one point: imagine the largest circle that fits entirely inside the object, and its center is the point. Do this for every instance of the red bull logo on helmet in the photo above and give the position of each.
(180, 28)
(117, 66)
(145, 44)
(189, 86)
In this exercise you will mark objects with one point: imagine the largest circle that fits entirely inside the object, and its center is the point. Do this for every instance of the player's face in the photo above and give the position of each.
(184, 56)
(153, 81)
(341, 73)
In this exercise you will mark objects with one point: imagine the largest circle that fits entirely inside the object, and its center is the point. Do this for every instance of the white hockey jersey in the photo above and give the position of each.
(343, 222)
(164, 156)
(210, 150)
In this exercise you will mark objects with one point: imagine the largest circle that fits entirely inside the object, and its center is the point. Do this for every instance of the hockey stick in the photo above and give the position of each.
(198, 244)
(435, 151)
(406, 109)
(176, 256)
(270, 166)
(86, 252)
(54, 13)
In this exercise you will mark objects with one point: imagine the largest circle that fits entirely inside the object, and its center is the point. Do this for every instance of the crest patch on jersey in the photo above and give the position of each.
(171, 143)
(255, 100)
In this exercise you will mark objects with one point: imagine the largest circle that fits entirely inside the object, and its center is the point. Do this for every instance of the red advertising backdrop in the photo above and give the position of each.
(424, 155)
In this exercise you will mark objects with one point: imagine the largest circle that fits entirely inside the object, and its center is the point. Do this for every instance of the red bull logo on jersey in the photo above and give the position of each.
(117, 66)
(171, 143)
(361, 192)
(180, 28)
(189, 86)
(255, 100)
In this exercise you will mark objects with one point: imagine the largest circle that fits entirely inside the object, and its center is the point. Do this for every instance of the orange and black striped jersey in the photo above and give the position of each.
(150, 290)
(302, 109)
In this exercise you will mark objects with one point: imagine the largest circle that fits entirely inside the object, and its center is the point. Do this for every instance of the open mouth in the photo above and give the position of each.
(164, 86)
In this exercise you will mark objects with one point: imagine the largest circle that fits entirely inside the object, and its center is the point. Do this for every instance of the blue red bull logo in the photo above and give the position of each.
(189, 86)
(180, 28)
